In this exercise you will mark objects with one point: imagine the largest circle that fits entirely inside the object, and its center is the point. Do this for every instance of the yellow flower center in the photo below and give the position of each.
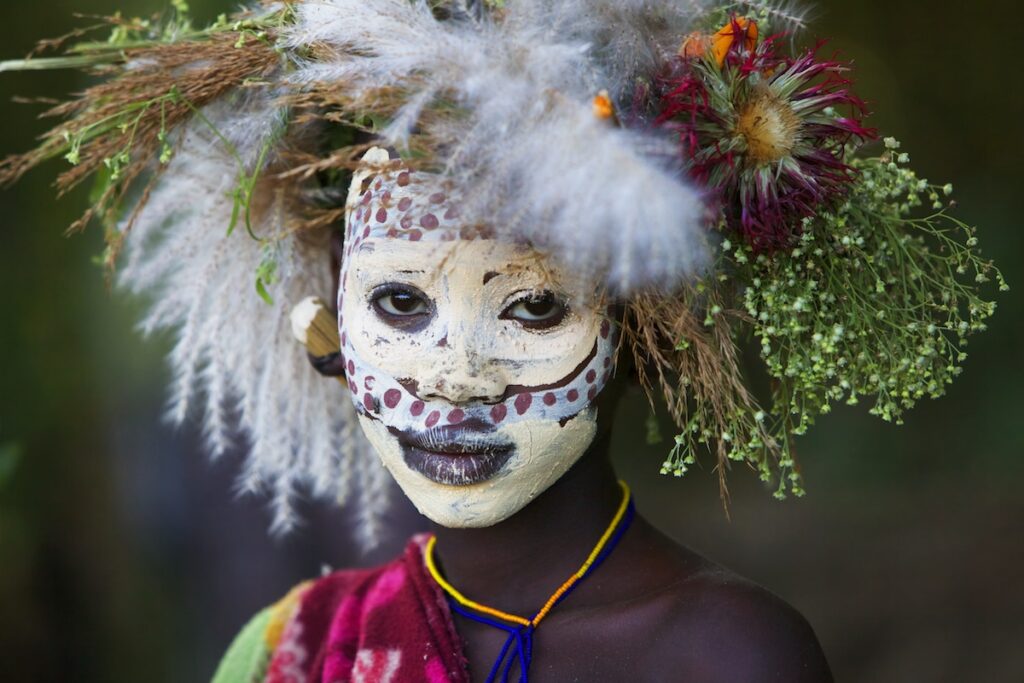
(770, 127)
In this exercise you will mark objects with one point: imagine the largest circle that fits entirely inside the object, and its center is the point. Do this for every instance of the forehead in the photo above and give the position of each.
(455, 257)
(407, 205)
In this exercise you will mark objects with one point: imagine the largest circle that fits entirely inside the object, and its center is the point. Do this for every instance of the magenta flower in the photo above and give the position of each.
(764, 133)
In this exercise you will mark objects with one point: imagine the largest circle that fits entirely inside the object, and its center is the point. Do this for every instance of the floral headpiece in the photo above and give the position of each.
(720, 184)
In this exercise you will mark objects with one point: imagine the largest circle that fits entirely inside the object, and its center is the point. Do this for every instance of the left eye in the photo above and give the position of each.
(538, 312)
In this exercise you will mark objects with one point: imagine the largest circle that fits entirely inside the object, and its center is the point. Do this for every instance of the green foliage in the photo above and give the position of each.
(874, 301)
(771, 17)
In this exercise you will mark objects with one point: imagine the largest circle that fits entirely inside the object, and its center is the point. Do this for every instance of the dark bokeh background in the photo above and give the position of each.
(125, 556)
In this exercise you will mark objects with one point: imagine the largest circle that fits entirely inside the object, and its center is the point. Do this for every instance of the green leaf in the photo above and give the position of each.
(261, 289)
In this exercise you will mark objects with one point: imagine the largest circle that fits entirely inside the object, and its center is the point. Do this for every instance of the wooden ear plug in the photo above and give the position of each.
(316, 328)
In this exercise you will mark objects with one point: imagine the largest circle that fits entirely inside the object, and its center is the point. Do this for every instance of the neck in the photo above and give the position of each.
(516, 564)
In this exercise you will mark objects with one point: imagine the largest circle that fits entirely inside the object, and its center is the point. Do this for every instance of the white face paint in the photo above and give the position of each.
(473, 376)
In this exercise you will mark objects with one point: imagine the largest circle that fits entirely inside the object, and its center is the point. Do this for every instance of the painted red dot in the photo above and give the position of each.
(382, 215)
(498, 412)
(392, 397)
(369, 382)
(429, 221)
(591, 375)
(366, 197)
(572, 395)
(392, 232)
(354, 387)
(366, 232)
(344, 338)
(549, 399)
(456, 416)
(437, 198)
(415, 235)
(351, 369)
(432, 419)
(592, 393)
(416, 408)
(452, 212)
(406, 222)
(368, 402)
(607, 361)
(404, 203)
(377, 184)
(403, 178)
(605, 329)
(385, 198)
(523, 402)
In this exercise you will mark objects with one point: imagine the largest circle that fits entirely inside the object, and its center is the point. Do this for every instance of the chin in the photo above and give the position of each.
(487, 492)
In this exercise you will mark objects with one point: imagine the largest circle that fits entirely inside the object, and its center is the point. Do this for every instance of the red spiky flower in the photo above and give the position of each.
(763, 131)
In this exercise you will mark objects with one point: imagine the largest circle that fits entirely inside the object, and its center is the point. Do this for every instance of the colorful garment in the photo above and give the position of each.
(390, 624)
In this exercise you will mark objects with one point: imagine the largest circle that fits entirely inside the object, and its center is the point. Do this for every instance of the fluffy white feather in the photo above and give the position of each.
(234, 359)
(529, 154)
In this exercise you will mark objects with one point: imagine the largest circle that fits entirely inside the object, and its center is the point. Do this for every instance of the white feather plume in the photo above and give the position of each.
(234, 358)
(529, 154)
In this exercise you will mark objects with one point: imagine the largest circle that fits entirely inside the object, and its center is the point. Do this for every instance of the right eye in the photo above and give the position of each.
(400, 303)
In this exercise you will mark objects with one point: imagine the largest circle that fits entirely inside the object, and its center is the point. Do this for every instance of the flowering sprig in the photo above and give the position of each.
(875, 301)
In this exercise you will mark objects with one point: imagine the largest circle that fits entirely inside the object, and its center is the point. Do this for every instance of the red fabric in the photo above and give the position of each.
(390, 624)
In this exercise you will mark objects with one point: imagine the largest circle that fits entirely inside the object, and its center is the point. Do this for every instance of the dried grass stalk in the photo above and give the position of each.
(123, 122)
(694, 367)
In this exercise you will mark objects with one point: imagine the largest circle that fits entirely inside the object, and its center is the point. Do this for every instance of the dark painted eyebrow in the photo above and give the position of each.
(411, 272)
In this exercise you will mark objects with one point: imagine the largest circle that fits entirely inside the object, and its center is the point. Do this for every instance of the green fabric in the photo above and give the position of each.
(247, 658)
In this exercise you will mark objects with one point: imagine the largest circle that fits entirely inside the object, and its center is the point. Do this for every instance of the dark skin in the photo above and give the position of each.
(653, 611)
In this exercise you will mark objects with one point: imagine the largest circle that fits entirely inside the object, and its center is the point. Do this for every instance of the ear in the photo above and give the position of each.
(332, 364)
(337, 253)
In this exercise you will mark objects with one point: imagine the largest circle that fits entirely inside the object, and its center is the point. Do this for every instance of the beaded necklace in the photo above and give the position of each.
(519, 644)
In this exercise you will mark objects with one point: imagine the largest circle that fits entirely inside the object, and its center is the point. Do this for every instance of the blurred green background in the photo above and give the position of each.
(126, 556)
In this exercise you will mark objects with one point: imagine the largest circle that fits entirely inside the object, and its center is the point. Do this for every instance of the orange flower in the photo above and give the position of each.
(696, 44)
(740, 28)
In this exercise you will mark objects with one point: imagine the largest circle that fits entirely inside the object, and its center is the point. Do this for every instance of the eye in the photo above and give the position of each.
(538, 312)
(400, 304)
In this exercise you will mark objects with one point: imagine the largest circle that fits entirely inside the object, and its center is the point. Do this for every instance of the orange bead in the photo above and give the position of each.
(604, 109)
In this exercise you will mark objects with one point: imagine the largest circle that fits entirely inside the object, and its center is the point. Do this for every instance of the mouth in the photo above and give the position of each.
(455, 457)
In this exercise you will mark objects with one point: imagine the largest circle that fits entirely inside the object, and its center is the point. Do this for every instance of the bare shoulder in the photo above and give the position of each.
(718, 626)
(705, 623)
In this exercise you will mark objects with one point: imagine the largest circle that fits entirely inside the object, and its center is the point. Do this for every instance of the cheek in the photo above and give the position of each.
(544, 444)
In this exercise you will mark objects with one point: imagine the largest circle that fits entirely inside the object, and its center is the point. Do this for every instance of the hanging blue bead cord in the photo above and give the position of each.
(518, 646)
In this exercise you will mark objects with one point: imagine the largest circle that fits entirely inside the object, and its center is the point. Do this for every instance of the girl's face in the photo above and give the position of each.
(473, 367)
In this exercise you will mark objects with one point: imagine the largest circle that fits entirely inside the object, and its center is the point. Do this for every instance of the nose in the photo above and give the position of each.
(462, 372)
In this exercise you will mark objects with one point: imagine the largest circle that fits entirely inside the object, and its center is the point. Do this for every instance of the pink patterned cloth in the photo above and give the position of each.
(390, 624)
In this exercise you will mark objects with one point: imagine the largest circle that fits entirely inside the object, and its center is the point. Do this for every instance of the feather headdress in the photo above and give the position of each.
(621, 137)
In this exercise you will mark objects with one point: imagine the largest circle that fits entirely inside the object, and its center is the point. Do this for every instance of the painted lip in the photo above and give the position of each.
(454, 455)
